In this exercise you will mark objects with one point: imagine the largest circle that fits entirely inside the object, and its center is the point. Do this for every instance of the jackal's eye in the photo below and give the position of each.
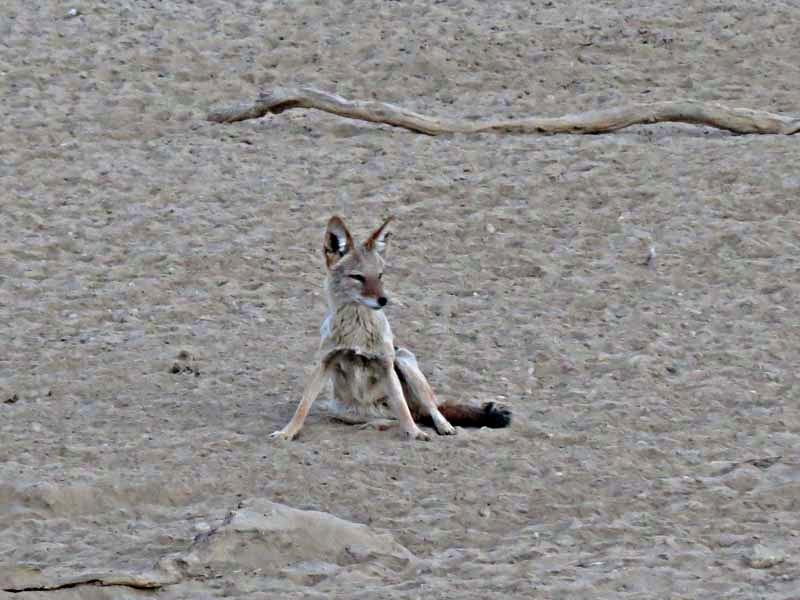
(358, 278)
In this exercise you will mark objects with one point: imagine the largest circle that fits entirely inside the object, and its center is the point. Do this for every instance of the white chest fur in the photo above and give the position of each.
(359, 329)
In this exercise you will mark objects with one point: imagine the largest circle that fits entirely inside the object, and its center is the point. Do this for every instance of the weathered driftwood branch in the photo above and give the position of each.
(738, 120)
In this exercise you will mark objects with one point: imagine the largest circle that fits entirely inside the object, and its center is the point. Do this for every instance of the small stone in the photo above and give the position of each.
(742, 479)
(726, 540)
(650, 259)
(490, 228)
(765, 558)
(73, 12)
(119, 316)
(12, 399)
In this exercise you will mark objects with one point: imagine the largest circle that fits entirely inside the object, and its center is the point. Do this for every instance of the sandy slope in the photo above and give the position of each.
(132, 231)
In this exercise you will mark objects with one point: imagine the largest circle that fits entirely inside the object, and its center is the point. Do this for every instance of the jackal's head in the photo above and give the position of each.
(355, 270)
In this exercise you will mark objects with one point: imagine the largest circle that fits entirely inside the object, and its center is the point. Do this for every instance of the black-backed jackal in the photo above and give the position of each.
(374, 382)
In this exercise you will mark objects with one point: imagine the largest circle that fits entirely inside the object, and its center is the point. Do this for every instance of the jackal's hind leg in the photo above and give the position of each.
(379, 424)
(418, 391)
(364, 422)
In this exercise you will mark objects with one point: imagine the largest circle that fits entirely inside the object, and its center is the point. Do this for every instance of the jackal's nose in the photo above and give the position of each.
(382, 301)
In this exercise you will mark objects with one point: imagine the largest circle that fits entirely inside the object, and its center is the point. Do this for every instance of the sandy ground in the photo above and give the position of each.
(160, 298)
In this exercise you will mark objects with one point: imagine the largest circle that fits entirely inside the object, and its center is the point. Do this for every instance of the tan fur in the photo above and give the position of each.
(372, 380)
(354, 327)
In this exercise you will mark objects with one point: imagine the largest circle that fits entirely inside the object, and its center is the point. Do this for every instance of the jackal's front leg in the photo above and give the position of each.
(394, 393)
(313, 388)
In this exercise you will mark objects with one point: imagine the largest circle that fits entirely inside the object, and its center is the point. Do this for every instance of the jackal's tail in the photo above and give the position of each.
(487, 414)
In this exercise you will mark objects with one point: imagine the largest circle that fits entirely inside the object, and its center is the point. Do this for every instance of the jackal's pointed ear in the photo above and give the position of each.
(338, 241)
(377, 240)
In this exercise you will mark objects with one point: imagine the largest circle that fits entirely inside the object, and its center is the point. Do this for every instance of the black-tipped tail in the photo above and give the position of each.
(474, 415)
(495, 416)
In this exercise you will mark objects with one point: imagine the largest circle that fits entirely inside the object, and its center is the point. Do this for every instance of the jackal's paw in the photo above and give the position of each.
(282, 434)
(416, 434)
(444, 428)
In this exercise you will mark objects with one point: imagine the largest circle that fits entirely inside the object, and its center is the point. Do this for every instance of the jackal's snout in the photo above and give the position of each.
(371, 292)
(374, 303)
